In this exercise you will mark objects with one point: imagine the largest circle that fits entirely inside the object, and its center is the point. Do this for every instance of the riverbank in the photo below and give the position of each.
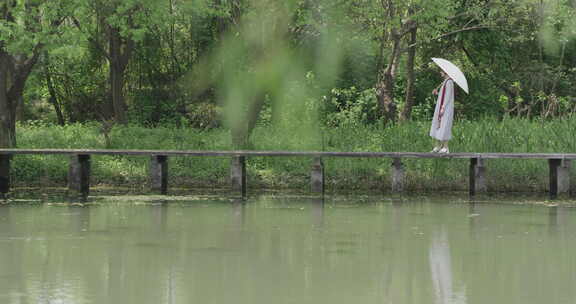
(60, 196)
(485, 135)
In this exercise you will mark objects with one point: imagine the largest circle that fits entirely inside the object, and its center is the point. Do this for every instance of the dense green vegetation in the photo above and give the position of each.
(342, 75)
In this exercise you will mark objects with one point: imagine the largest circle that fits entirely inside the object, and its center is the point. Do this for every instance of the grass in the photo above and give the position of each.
(342, 174)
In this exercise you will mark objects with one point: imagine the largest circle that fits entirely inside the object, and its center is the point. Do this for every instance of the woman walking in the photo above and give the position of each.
(441, 128)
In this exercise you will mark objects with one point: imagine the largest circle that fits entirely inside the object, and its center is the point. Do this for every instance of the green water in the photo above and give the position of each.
(287, 250)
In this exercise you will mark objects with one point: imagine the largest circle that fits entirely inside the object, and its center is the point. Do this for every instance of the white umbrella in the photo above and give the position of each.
(453, 71)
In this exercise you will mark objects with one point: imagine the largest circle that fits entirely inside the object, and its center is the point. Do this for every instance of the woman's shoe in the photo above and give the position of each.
(435, 150)
(444, 151)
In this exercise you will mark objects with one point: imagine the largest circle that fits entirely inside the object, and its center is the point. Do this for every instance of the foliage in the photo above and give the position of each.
(296, 66)
(350, 107)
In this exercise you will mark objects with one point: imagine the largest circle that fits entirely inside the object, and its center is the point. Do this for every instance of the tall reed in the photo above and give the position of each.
(483, 135)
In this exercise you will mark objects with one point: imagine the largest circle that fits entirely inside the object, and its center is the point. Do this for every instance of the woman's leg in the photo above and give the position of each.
(437, 146)
(444, 146)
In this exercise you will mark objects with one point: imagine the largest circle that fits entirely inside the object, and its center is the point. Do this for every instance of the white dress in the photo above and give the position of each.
(442, 129)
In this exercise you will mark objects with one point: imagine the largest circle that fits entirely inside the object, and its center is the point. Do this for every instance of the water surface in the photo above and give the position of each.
(287, 250)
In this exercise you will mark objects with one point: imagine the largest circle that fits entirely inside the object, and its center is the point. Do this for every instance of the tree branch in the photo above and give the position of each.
(22, 71)
(472, 28)
(91, 40)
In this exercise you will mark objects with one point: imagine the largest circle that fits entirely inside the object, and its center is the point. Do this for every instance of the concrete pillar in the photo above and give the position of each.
(477, 176)
(159, 174)
(398, 175)
(238, 174)
(317, 176)
(4, 174)
(79, 174)
(559, 176)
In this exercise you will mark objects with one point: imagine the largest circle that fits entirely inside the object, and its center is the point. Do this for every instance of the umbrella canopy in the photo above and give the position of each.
(453, 71)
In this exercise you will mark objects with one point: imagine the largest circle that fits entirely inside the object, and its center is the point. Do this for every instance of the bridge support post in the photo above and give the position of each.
(238, 174)
(159, 174)
(317, 176)
(477, 176)
(4, 174)
(79, 174)
(398, 175)
(559, 176)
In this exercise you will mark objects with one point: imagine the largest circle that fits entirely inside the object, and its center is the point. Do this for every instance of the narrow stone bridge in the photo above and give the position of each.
(79, 168)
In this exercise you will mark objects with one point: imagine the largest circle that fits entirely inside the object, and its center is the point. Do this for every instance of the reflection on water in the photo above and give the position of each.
(287, 250)
(440, 266)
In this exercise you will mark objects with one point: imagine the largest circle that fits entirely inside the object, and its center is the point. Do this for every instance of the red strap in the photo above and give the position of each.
(442, 101)
(443, 93)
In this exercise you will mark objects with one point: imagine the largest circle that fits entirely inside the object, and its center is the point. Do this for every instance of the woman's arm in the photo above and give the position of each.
(435, 91)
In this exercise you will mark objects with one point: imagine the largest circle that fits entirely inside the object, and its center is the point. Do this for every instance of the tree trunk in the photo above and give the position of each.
(19, 112)
(5, 119)
(385, 86)
(119, 54)
(13, 76)
(409, 98)
(53, 96)
(116, 87)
